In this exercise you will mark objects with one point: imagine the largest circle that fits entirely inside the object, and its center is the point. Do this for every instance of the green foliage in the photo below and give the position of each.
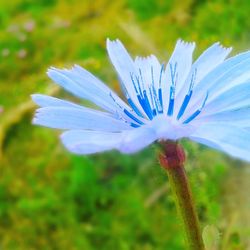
(150, 9)
(50, 199)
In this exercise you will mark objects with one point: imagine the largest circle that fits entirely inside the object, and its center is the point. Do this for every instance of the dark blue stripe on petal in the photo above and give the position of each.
(132, 117)
(195, 114)
(160, 96)
(133, 106)
(162, 69)
(134, 125)
(147, 105)
(184, 105)
(171, 107)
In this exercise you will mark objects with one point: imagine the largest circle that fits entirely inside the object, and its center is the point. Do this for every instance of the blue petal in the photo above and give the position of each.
(234, 98)
(83, 84)
(182, 57)
(136, 139)
(150, 72)
(230, 65)
(93, 85)
(236, 76)
(237, 117)
(181, 61)
(89, 142)
(224, 137)
(149, 65)
(125, 68)
(232, 72)
(74, 118)
(207, 61)
(47, 101)
(210, 59)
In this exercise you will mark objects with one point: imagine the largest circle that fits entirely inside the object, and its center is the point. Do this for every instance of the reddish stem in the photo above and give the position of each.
(172, 160)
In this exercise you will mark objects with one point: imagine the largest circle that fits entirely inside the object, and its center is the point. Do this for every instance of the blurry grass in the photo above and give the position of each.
(50, 199)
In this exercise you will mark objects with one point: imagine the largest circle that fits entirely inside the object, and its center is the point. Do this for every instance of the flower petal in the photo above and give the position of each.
(74, 118)
(89, 142)
(234, 98)
(232, 72)
(49, 101)
(206, 62)
(136, 139)
(83, 84)
(177, 69)
(224, 137)
(236, 117)
(231, 65)
(210, 59)
(98, 87)
(150, 72)
(182, 57)
(126, 70)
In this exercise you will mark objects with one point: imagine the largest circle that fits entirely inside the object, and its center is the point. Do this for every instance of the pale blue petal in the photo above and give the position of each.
(74, 118)
(224, 137)
(232, 72)
(49, 101)
(136, 139)
(232, 99)
(207, 61)
(181, 61)
(83, 84)
(182, 56)
(237, 117)
(95, 87)
(232, 64)
(89, 142)
(210, 59)
(125, 68)
(237, 75)
(149, 69)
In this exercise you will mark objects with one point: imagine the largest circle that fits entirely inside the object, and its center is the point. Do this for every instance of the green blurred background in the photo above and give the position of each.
(51, 199)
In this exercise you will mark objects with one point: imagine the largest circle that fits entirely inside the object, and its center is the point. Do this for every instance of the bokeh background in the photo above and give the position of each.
(51, 199)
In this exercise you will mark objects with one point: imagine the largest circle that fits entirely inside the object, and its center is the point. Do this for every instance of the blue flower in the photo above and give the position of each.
(207, 100)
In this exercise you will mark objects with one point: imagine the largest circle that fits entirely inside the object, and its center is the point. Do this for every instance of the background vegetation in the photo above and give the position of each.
(50, 199)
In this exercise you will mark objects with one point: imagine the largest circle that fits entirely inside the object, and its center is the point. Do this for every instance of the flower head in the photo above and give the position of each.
(206, 100)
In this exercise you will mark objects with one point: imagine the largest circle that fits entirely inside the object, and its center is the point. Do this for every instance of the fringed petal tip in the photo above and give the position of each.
(111, 41)
(185, 44)
(51, 69)
(226, 49)
(53, 72)
(34, 121)
(37, 117)
(35, 97)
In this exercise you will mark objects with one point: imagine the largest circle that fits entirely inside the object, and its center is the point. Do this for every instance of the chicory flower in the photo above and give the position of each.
(207, 100)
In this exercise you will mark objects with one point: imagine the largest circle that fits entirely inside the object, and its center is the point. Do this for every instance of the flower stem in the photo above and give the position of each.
(172, 160)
